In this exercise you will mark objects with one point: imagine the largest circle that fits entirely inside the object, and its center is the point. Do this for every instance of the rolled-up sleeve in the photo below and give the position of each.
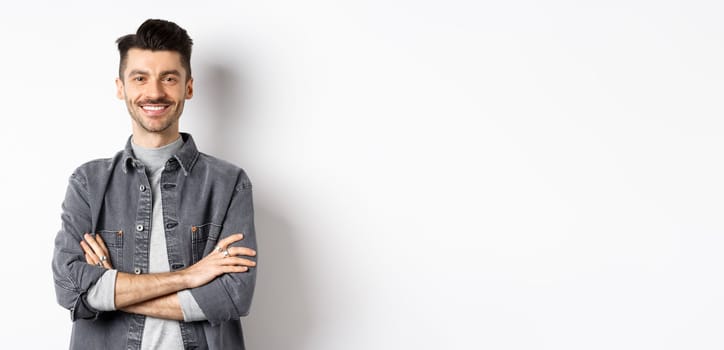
(102, 296)
(72, 275)
(229, 296)
(189, 307)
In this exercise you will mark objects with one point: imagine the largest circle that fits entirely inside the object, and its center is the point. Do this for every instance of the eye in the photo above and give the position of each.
(169, 79)
(139, 79)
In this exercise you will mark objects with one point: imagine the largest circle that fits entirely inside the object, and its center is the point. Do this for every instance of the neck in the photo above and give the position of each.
(147, 139)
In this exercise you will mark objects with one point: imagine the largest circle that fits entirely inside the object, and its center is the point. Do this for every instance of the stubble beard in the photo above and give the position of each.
(134, 111)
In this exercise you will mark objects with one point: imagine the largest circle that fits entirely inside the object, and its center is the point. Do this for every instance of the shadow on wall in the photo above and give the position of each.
(223, 113)
(280, 316)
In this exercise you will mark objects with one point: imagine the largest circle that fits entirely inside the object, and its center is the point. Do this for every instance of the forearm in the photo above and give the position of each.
(131, 289)
(166, 307)
(134, 289)
(179, 306)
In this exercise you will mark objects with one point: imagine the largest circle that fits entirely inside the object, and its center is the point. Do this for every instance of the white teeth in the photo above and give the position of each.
(153, 108)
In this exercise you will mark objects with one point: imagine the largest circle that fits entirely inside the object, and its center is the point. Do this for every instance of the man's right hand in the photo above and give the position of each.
(223, 259)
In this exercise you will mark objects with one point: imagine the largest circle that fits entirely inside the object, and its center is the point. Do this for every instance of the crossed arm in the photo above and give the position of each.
(218, 283)
(155, 294)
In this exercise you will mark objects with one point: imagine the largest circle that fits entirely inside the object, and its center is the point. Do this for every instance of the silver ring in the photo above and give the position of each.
(219, 249)
(226, 252)
(103, 258)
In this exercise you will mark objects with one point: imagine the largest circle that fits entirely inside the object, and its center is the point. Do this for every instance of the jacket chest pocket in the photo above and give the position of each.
(114, 242)
(203, 240)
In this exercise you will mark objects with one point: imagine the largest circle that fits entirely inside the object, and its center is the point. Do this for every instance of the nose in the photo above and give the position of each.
(154, 90)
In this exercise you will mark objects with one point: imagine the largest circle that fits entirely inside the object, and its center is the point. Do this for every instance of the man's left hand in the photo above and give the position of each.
(96, 252)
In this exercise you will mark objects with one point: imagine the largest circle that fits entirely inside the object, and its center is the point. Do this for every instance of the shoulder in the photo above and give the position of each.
(95, 168)
(223, 169)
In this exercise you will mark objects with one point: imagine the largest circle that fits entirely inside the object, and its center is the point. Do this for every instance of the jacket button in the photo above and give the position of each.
(142, 188)
(137, 270)
(139, 227)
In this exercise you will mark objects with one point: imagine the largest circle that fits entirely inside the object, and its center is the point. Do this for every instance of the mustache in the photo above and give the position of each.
(159, 101)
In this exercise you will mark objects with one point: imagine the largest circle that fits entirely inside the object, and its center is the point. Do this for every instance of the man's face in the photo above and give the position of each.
(154, 87)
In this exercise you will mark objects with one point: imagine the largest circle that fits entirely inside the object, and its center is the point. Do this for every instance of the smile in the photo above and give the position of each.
(153, 108)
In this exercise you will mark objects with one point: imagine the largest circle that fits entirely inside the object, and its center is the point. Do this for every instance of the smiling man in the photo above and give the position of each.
(157, 244)
(155, 106)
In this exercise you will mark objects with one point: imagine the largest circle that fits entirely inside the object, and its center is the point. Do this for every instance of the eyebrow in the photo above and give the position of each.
(137, 72)
(163, 73)
(171, 72)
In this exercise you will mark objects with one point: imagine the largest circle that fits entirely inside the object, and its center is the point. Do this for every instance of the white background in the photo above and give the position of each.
(428, 175)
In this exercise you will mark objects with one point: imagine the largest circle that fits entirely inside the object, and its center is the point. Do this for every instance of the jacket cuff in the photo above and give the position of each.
(82, 310)
(225, 298)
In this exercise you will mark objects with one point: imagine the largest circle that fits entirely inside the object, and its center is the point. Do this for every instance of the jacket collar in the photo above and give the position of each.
(186, 156)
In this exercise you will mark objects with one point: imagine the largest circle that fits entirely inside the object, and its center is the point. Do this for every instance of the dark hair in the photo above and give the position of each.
(157, 35)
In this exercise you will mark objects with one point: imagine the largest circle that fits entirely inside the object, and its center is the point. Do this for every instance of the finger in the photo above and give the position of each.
(102, 244)
(238, 262)
(105, 261)
(231, 239)
(100, 255)
(232, 269)
(241, 251)
(91, 259)
(93, 244)
(105, 255)
(89, 256)
(86, 249)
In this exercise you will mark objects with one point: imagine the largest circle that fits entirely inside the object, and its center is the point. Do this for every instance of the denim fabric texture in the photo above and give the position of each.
(204, 199)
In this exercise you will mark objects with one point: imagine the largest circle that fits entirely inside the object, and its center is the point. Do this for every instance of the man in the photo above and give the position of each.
(157, 244)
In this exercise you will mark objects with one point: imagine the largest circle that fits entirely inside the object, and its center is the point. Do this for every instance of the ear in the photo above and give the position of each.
(190, 89)
(119, 89)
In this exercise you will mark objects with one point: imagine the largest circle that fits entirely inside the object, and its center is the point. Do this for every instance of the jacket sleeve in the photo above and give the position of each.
(73, 276)
(229, 296)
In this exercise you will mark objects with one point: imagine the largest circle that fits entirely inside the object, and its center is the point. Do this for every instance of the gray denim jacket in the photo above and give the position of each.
(204, 199)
